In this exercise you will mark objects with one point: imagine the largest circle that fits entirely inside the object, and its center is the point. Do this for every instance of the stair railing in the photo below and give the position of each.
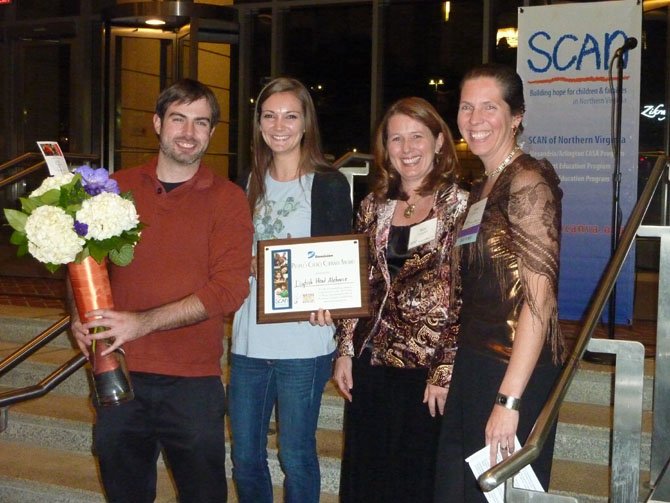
(28, 164)
(343, 165)
(38, 163)
(43, 387)
(624, 468)
(659, 473)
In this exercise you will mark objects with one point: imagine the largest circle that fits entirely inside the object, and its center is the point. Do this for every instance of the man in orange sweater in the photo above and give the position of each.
(191, 268)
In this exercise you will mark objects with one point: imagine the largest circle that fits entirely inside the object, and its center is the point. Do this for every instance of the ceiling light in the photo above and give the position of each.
(154, 21)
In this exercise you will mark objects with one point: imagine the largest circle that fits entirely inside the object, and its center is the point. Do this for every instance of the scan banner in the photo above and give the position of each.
(565, 56)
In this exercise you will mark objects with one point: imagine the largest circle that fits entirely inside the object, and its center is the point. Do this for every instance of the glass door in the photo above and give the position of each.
(141, 61)
(43, 103)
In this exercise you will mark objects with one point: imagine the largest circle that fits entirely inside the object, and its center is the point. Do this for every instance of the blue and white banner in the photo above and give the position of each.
(564, 58)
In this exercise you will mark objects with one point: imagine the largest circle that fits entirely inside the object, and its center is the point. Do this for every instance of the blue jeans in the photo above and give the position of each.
(296, 385)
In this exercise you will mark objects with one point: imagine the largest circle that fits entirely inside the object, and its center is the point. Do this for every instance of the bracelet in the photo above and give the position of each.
(509, 402)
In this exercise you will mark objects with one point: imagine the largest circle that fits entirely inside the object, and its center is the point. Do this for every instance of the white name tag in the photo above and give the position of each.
(422, 233)
(473, 221)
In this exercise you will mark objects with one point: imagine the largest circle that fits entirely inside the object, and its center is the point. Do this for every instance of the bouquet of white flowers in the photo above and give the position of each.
(81, 219)
(76, 215)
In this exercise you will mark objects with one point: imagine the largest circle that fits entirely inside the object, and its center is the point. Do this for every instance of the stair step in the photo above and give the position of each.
(40, 365)
(20, 330)
(35, 419)
(55, 430)
(586, 482)
(37, 474)
(593, 384)
(72, 476)
(57, 475)
(64, 423)
(584, 434)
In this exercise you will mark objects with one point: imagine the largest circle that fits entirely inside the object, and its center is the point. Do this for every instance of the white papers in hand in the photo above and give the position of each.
(525, 479)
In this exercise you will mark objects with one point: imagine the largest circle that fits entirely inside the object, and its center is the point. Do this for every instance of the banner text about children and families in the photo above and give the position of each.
(566, 59)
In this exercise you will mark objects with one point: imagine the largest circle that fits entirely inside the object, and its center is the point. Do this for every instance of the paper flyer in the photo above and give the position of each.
(54, 157)
(525, 479)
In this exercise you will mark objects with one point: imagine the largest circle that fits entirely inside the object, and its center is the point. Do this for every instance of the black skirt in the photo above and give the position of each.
(390, 438)
(475, 382)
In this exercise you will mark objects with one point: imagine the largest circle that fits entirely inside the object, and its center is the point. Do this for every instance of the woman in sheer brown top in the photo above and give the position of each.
(395, 366)
(510, 346)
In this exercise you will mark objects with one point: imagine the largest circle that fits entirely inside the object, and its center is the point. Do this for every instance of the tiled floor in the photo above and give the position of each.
(50, 293)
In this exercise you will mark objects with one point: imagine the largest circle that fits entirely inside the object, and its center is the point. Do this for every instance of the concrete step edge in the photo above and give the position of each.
(591, 445)
(566, 475)
(28, 491)
(588, 387)
(21, 330)
(570, 478)
(596, 387)
(30, 373)
(575, 442)
(330, 467)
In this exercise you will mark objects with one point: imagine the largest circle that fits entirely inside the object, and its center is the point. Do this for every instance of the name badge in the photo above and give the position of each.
(473, 222)
(422, 233)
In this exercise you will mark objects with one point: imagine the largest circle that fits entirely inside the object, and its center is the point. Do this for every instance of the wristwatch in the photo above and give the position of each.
(509, 402)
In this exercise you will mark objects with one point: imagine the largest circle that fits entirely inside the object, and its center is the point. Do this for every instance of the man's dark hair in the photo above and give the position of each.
(187, 91)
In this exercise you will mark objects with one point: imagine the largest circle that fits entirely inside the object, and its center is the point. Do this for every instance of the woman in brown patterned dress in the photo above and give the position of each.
(510, 346)
(394, 368)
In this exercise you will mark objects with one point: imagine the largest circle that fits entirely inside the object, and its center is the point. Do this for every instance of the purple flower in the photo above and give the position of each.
(96, 181)
(80, 228)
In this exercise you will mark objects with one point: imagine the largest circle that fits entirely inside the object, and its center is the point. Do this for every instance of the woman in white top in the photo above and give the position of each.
(292, 192)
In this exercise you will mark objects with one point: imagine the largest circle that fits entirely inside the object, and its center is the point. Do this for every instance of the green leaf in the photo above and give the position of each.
(23, 250)
(52, 268)
(16, 219)
(51, 198)
(29, 204)
(72, 193)
(96, 251)
(72, 209)
(123, 256)
(18, 238)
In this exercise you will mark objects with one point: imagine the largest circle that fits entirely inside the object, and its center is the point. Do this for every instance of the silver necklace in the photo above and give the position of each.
(503, 164)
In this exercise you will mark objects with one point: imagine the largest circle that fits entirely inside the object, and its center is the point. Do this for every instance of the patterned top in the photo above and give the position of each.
(518, 243)
(414, 314)
(286, 211)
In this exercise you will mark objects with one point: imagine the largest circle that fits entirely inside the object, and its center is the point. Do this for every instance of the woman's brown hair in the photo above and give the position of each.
(387, 182)
(311, 156)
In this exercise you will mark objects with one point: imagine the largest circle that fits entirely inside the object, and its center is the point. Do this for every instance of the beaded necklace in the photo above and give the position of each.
(503, 164)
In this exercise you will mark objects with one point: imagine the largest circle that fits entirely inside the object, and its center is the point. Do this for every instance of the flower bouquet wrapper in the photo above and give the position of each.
(91, 290)
(82, 219)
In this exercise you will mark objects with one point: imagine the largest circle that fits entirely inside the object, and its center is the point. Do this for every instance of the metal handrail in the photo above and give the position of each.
(33, 345)
(17, 160)
(40, 163)
(52, 380)
(22, 174)
(59, 375)
(509, 467)
(352, 155)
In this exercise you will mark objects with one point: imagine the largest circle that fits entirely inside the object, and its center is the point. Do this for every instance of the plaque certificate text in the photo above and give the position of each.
(299, 276)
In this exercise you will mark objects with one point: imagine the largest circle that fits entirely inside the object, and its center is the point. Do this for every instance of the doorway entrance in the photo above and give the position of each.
(197, 41)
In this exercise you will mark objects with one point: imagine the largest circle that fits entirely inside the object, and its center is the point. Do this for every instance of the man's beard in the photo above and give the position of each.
(187, 159)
